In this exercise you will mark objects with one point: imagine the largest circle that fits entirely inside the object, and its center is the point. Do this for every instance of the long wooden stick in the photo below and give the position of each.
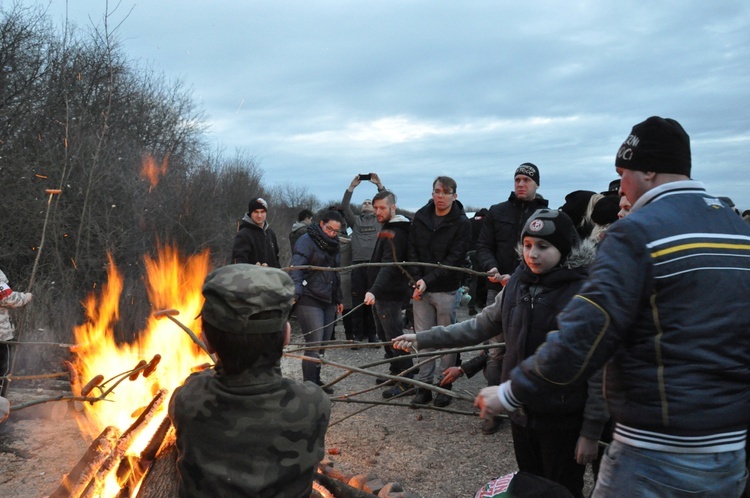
(396, 264)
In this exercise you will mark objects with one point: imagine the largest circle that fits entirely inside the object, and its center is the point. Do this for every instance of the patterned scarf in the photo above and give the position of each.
(323, 241)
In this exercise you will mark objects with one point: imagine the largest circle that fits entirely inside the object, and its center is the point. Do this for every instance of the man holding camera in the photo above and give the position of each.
(365, 229)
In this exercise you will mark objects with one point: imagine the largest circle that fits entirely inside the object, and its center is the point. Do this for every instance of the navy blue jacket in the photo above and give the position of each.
(666, 306)
(323, 287)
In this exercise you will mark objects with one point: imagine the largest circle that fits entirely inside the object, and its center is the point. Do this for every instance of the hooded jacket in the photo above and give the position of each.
(525, 313)
(298, 230)
(446, 244)
(365, 228)
(388, 283)
(9, 299)
(254, 244)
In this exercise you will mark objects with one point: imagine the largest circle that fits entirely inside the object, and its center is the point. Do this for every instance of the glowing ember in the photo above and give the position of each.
(151, 171)
(172, 283)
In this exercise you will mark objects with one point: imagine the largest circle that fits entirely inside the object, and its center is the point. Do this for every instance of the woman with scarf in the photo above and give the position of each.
(317, 293)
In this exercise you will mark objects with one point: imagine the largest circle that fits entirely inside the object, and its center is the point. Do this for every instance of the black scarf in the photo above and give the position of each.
(323, 241)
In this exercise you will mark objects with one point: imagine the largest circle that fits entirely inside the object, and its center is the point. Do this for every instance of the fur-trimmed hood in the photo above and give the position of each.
(581, 256)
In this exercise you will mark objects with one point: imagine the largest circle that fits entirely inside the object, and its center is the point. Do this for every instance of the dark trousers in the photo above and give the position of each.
(389, 325)
(549, 453)
(5, 360)
(363, 324)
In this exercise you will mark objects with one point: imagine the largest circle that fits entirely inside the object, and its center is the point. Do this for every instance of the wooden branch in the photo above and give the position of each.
(122, 445)
(402, 263)
(340, 489)
(76, 481)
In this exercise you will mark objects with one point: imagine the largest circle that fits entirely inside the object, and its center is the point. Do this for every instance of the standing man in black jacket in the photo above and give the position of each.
(255, 242)
(496, 247)
(440, 233)
(388, 286)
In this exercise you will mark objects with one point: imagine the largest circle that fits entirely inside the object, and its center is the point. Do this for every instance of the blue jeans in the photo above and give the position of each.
(630, 472)
(435, 308)
(313, 318)
(389, 324)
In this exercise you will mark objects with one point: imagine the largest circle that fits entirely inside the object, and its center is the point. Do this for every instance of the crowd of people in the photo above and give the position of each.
(635, 295)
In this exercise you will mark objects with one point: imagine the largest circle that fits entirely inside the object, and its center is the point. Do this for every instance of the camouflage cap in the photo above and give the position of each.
(235, 293)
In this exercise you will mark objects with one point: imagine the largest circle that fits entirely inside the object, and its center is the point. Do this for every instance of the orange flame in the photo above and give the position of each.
(151, 171)
(172, 282)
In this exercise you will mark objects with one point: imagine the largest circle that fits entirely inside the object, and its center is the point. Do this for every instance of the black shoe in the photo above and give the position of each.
(380, 381)
(327, 390)
(491, 425)
(423, 397)
(400, 389)
(443, 400)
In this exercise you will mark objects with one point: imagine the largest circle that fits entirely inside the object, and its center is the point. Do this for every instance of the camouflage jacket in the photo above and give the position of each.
(9, 299)
(252, 434)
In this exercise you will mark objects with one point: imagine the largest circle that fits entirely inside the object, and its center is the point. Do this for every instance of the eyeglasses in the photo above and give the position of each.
(441, 193)
(330, 230)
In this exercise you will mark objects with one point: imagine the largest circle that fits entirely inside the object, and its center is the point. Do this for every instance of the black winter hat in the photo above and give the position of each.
(530, 170)
(553, 226)
(657, 144)
(257, 203)
(576, 204)
(605, 210)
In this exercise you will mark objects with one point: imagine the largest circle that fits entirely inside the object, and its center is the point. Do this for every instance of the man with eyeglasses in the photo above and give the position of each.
(440, 234)
(365, 229)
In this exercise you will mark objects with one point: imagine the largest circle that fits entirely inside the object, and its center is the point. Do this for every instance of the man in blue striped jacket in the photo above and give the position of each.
(665, 308)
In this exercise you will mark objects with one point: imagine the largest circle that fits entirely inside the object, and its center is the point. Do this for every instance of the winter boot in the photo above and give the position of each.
(491, 425)
(443, 400)
(423, 397)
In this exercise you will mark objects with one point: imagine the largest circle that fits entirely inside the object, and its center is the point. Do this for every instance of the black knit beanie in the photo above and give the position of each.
(576, 204)
(530, 170)
(657, 144)
(257, 203)
(553, 226)
(605, 210)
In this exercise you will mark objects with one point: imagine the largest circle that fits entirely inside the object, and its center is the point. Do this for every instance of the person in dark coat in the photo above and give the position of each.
(317, 293)
(440, 233)
(389, 287)
(255, 242)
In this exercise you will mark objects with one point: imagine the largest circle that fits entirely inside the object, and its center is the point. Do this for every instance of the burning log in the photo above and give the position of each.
(340, 489)
(76, 481)
(123, 443)
(162, 480)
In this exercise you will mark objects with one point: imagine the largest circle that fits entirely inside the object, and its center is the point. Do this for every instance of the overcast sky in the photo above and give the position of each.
(318, 91)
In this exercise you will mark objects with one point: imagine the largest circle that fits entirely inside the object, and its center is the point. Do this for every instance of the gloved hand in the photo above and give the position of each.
(489, 403)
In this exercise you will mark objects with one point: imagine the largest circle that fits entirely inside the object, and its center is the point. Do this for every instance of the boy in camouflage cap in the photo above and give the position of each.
(243, 429)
